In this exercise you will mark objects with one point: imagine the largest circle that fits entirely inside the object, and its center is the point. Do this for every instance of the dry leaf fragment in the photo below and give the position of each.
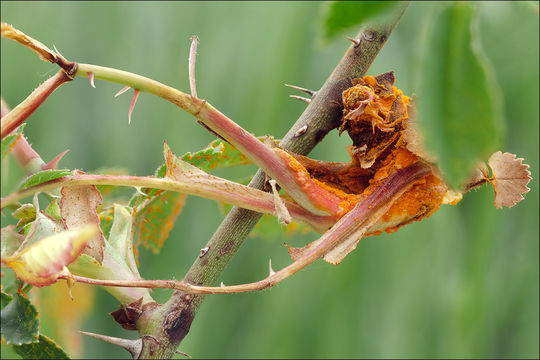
(509, 178)
(78, 207)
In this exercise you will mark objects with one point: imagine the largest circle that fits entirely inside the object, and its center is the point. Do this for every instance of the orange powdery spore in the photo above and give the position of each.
(399, 158)
(423, 199)
(374, 114)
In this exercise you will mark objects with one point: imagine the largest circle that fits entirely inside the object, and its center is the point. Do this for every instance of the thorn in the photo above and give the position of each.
(54, 162)
(91, 77)
(123, 90)
(58, 52)
(138, 189)
(132, 106)
(222, 284)
(270, 270)
(192, 61)
(133, 346)
(300, 131)
(307, 91)
(354, 41)
(183, 353)
(203, 251)
(301, 98)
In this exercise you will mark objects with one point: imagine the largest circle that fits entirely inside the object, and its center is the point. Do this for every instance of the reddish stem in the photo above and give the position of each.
(18, 115)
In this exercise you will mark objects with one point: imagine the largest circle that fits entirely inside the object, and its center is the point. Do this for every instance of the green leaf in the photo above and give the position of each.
(341, 15)
(11, 240)
(121, 236)
(106, 220)
(25, 213)
(41, 228)
(44, 176)
(19, 321)
(9, 141)
(459, 109)
(6, 298)
(154, 219)
(45, 348)
(53, 210)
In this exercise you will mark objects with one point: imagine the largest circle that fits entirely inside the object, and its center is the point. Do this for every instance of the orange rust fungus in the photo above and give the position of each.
(375, 113)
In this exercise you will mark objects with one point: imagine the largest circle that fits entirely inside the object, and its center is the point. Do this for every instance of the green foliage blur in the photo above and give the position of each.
(461, 284)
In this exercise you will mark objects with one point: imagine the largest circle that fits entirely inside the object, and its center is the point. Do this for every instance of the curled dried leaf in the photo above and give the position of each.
(509, 178)
(281, 210)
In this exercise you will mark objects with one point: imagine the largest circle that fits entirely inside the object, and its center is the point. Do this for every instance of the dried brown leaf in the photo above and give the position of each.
(510, 178)
(44, 52)
(78, 207)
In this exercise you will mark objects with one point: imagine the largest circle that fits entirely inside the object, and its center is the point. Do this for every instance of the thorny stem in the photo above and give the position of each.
(320, 116)
(217, 122)
(244, 197)
(22, 111)
(245, 142)
(354, 224)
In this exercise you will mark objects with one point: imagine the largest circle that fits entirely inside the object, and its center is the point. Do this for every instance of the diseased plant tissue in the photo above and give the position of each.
(391, 181)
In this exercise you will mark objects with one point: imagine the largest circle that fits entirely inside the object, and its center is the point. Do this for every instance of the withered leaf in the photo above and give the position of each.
(78, 207)
(510, 178)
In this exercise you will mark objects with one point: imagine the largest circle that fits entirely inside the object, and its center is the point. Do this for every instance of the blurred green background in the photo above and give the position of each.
(461, 284)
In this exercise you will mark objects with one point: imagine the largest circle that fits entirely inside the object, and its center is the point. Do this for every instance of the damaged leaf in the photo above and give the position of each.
(510, 178)
(25, 213)
(78, 208)
(9, 141)
(154, 219)
(44, 348)
(41, 263)
(217, 155)
(19, 320)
